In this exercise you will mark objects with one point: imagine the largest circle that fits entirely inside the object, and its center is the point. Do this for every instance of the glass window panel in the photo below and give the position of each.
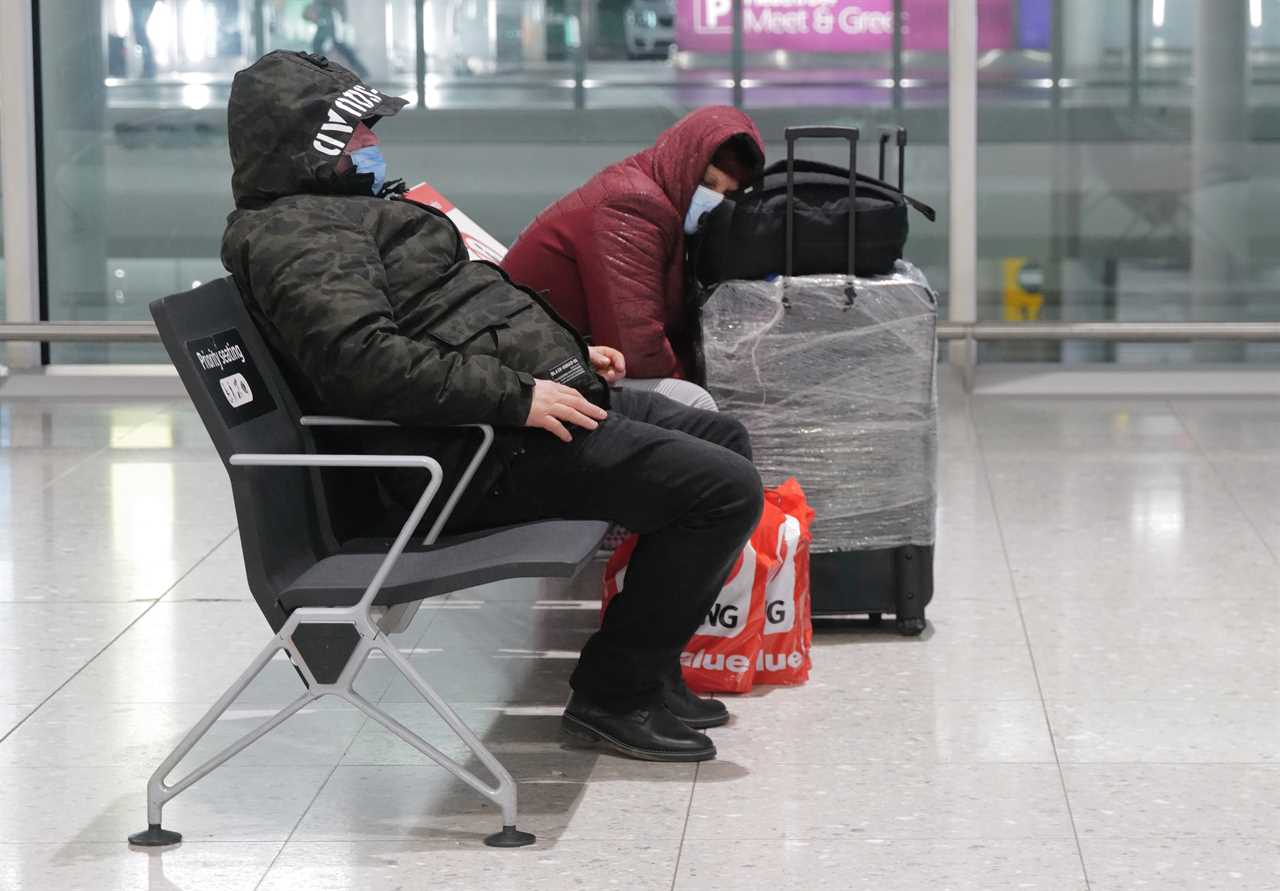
(4, 309)
(136, 167)
(1132, 191)
(497, 53)
(834, 64)
(136, 170)
(639, 57)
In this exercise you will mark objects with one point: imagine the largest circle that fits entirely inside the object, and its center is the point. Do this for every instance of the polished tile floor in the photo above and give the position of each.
(1095, 705)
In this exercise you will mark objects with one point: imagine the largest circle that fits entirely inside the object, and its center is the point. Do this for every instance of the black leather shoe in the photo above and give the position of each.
(691, 708)
(651, 733)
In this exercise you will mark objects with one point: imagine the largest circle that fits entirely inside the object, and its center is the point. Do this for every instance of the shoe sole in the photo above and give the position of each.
(705, 723)
(583, 733)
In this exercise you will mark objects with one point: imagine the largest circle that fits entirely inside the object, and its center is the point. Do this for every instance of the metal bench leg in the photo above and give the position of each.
(503, 794)
(159, 793)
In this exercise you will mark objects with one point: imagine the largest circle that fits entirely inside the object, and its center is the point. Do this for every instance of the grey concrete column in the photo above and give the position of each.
(18, 174)
(73, 100)
(1219, 169)
(962, 149)
(367, 30)
(1085, 26)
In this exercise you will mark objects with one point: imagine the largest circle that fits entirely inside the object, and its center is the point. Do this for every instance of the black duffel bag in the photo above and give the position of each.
(747, 237)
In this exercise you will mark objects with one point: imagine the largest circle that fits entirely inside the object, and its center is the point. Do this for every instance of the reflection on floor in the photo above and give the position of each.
(1096, 703)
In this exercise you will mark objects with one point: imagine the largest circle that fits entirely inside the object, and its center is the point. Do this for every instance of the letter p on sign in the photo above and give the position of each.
(716, 10)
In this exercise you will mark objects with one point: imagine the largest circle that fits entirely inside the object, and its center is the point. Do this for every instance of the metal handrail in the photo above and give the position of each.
(80, 332)
(1131, 332)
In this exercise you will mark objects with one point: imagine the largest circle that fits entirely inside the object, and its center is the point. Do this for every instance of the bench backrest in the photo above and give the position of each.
(246, 406)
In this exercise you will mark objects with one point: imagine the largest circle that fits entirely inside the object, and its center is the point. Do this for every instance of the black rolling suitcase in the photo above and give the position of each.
(835, 379)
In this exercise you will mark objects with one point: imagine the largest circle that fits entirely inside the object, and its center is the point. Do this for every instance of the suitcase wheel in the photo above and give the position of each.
(911, 627)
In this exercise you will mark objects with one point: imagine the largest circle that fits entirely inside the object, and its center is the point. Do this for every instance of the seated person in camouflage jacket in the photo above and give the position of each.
(372, 307)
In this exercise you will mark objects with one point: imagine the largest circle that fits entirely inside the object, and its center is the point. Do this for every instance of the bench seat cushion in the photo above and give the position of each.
(551, 548)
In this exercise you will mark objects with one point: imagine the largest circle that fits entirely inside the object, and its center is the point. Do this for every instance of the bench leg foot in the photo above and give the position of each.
(159, 793)
(503, 794)
(155, 837)
(510, 837)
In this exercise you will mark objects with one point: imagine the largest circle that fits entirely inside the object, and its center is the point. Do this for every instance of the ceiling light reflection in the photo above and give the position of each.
(142, 511)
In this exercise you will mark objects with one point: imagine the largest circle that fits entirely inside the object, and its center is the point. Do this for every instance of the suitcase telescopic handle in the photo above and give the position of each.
(900, 134)
(850, 134)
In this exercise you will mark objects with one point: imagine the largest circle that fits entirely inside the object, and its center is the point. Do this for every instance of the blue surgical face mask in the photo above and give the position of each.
(704, 201)
(369, 160)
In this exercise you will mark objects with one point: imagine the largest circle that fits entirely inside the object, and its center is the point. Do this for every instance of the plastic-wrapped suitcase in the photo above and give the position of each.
(835, 378)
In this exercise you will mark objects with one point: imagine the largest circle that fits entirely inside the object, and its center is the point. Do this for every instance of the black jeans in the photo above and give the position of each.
(683, 479)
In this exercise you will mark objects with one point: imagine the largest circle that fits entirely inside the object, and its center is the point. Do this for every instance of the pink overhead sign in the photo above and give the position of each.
(832, 26)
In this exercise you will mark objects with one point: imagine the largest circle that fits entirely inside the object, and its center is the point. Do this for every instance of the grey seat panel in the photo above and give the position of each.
(553, 548)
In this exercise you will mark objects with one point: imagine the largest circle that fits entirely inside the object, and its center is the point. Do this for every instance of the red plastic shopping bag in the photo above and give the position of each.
(788, 612)
(759, 629)
(721, 656)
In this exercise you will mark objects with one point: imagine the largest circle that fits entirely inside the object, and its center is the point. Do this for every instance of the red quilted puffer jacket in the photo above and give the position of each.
(610, 255)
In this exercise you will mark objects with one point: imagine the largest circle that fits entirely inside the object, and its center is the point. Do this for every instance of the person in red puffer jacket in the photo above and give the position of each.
(609, 256)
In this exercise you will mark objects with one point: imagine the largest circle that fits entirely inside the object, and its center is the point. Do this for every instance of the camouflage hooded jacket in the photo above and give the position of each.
(371, 304)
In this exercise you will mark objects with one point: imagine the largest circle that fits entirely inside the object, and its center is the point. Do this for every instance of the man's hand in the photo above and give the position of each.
(608, 363)
(554, 403)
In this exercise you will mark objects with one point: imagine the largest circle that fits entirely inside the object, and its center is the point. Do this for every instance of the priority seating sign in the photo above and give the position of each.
(233, 381)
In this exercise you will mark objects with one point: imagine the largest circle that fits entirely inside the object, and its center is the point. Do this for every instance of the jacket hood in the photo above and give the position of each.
(288, 119)
(677, 161)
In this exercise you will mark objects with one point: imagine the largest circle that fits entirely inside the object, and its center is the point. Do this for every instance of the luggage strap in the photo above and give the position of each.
(802, 165)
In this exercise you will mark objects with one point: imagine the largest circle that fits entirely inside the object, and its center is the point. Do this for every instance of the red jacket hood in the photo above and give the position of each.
(610, 254)
(681, 155)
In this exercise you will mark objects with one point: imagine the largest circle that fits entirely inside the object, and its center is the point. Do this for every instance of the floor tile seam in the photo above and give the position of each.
(1241, 766)
(271, 865)
(1269, 699)
(1269, 645)
(1166, 598)
(684, 829)
(1230, 490)
(201, 562)
(415, 644)
(522, 779)
(180, 702)
(507, 703)
(1121, 459)
(1217, 762)
(115, 843)
(96, 452)
(545, 838)
(1035, 671)
(1079, 700)
(319, 790)
(887, 765)
(1248, 456)
(557, 703)
(560, 701)
(340, 761)
(860, 837)
(249, 764)
(110, 643)
(498, 652)
(62, 600)
(553, 837)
